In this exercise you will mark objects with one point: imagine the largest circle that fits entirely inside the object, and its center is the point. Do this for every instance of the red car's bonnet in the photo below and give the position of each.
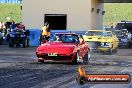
(56, 47)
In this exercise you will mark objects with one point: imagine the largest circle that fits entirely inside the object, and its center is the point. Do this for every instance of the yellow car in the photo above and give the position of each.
(101, 40)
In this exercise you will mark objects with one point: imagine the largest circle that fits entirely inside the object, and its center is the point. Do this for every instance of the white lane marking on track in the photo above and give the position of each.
(110, 86)
(129, 61)
(125, 70)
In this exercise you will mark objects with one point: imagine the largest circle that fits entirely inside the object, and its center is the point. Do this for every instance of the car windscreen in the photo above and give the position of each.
(107, 34)
(65, 38)
(17, 31)
(127, 26)
(118, 32)
(98, 33)
(122, 37)
(94, 33)
(121, 26)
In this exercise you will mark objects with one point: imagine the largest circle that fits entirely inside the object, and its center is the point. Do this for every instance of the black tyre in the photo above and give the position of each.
(76, 58)
(129, 44)
(25, 42)
(86, 58)
(121, 47)
(17, 44)
(116, 50)
(126, 46)
(0, 41)
(110, 51)
(11, 44)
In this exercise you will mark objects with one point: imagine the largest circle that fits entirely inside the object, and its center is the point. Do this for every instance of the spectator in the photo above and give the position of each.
(8, 25)
(1, 26)
(13, 26)
(21, 26)
(45, 32)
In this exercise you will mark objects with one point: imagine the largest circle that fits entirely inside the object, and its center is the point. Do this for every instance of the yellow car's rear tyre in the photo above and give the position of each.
(115, 50)
(110, 51)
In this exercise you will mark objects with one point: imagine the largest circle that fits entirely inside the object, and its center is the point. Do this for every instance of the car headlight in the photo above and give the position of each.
(106, 44)
(102, 43)
(124, 40)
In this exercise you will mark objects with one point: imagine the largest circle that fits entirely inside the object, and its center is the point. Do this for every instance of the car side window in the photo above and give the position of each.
(114, 33)
(81, 38)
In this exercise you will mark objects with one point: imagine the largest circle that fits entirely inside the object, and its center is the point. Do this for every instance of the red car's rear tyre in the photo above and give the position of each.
(86, 58)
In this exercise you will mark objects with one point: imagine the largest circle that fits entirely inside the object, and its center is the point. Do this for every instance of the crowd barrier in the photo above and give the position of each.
(34, 37)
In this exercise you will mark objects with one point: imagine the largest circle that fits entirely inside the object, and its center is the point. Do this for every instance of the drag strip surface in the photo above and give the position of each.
(19, 69)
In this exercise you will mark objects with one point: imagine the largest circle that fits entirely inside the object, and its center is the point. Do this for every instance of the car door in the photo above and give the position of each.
(84, 47)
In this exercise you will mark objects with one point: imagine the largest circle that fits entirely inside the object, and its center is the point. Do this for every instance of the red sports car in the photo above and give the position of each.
(64, 47)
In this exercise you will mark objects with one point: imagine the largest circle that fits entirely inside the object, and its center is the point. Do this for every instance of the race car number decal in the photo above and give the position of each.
(52, 54)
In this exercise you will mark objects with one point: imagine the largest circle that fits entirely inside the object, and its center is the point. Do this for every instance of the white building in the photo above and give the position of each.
(63, 14)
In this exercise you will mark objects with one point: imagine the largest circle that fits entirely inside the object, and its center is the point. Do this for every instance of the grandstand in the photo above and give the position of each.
(11, 1)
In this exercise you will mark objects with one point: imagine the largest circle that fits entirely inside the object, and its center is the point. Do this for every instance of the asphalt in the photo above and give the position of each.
(19, 69)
